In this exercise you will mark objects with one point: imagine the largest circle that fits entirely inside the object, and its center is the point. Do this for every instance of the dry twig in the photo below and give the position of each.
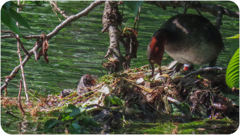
(201, 70)
(18, 40)
(56, 8)
(19, 97)
(19, 43)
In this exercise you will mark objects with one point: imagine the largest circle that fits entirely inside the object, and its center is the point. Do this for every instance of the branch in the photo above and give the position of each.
(111, 20)
(214, 9)
(11, 84)
(54, 4)
(18, 40)
(16, 69)
(19, 43)
(22, 70)
(7, 112)
(6, 36)
(74, 18)
(25, 37)
(202, 70)
(19, 97)
(50, 35)
(65, 22)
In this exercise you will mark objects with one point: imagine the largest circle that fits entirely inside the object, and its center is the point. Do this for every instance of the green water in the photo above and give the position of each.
(80, 48)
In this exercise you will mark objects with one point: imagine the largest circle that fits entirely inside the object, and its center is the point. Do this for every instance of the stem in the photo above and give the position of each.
(20, 59)
(19, 97)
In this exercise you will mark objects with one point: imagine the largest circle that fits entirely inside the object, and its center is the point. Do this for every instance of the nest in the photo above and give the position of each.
(134, 95)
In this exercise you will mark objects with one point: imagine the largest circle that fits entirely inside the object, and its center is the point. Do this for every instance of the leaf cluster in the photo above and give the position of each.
(10, 17)
(232, 75)
(73, 120)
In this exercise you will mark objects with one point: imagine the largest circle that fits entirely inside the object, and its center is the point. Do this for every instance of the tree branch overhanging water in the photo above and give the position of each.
(49, 36)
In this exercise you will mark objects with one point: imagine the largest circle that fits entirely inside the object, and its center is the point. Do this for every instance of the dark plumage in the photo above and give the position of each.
(188, 39)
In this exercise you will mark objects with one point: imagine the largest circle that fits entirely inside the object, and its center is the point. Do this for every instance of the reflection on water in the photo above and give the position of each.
(79, 48)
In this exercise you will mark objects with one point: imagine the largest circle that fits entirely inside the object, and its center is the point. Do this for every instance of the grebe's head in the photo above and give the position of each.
(155, 48)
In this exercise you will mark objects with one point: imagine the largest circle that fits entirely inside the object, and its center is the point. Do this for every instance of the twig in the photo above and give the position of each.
(16, 69)
(139, 12)
(137, 19)
(11, 84)
(213, 9)
(11, 36)
(58, 9)
(18, 40)
(7, 112)
(201, 70)
(20, 58)
(6, 36)
(140, 86)
(19, 97)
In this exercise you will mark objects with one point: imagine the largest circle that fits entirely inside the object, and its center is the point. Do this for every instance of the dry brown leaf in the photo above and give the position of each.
(43, 51)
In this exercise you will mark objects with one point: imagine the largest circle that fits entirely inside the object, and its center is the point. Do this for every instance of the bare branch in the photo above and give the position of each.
(202, 70)
(214, 9)
(19, 43)
(22, 47)
(11, 84)
(7, 112)
(6, 36)
(65, 22)
(54, 4)
(50, 35)
(16, 69)
(74, 18)
(19, 97)
(11, 36)
(22, 70)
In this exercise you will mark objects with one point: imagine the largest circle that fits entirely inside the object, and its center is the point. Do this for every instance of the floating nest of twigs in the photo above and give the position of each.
(134, 95)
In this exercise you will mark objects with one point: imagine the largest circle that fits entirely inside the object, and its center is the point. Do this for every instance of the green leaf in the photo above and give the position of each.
(7, 5)
(39, 3)
(107, 101)
(93, 123)
(13, 4)
(10, 4)
(134, 5)
(70, 108)
(232, 75)
(50, 124)
(17, 17)
(7, 20)
(77, 128)
(233, 37)
(116, 100)
(77, 111)
(65, 116)
(87, 121)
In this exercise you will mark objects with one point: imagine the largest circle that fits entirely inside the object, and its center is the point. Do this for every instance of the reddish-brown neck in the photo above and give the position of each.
(156, 45)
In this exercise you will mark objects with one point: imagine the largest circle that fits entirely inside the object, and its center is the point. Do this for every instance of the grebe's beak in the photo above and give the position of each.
(152, 65)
